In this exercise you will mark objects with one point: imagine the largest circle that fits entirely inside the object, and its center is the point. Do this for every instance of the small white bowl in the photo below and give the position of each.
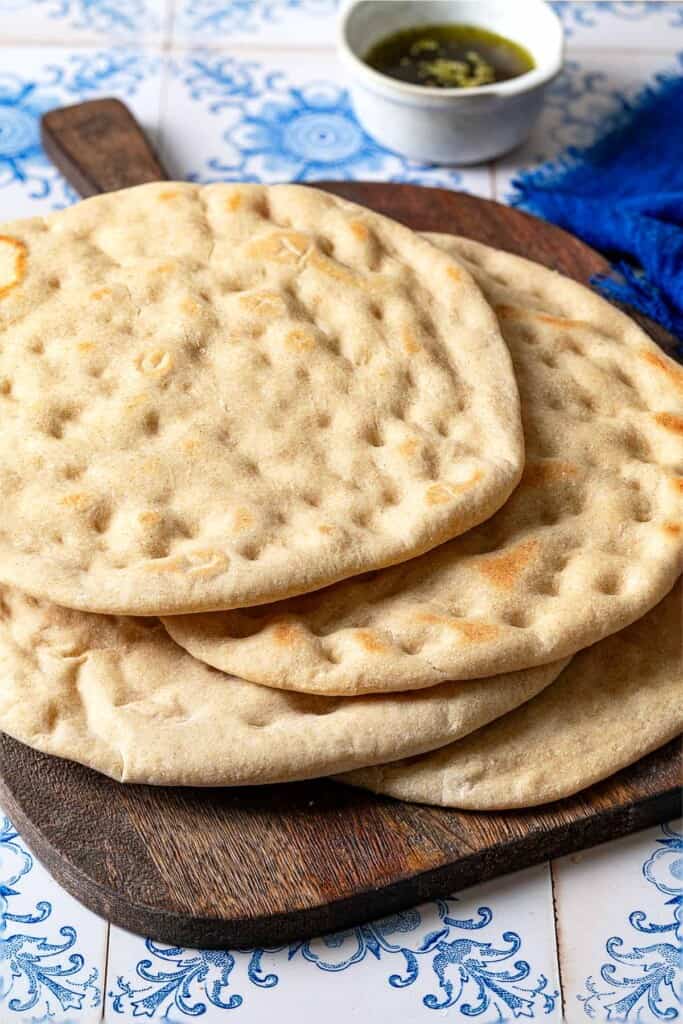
(450, 126)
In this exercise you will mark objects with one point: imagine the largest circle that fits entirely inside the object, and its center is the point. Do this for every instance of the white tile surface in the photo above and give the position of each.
(286, 23)
(491, 949)
(617, 928)
(279, 118)
(629, 25)
(77, 22)
(52, 950)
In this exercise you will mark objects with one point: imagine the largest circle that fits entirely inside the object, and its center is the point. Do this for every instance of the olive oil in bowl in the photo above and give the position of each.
(449, 57)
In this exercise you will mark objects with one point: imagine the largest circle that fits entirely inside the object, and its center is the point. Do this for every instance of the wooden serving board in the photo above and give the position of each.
(267, 865)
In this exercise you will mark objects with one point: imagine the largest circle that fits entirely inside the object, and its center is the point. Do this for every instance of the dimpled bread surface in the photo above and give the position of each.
(616, 702)
(589, 541)
(218, 396)
(116, 694)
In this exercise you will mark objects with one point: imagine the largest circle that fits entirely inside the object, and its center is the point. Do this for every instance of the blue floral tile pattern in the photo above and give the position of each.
(277, 124)
(644, 979)
(589, 13)
(24, 97)
(42, 970)
(107, 20)
(248, 17)
(468, 975)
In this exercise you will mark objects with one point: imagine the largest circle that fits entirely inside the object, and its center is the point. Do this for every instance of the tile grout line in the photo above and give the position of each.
(106, 972)
(556, 922)
(166, 40)
(165, 76)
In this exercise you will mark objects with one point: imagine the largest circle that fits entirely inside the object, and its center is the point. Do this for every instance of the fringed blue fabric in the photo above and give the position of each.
(624, 196)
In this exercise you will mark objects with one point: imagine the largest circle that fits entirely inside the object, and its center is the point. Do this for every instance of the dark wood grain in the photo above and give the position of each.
(264, 866)
(99, 147)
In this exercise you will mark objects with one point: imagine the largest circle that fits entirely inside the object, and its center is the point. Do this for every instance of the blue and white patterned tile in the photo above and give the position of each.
(627, 24)
(33, 80)
(488, 954)
(297, 23)
(620, 929)
(100, 22)
(52, 950)
(290, 119)
(580, 103)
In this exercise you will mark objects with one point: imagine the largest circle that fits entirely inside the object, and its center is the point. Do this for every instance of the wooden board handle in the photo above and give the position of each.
(99, 147)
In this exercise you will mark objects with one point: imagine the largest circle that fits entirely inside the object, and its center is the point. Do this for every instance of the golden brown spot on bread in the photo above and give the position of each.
(100, 293)
(327, 530)
(190, 306)
(242, 519)
(299, 340)
(165, 268)
(677, 483)
(505, 312)
(559, 321)
(285, 634)
(359, 230)
(281, 246)
(202, 562)
(370, 641)
(470, 629)
(265, 303)
(19, 252)
(670, 422)
(150, 518)
(504, 570)
(410, 342)
(155, 363)
(673, 529)
(331, 268)
(667, 366)
(409, 447)
(86, 346)
(454, 273)
(190, 444)
(167, 194)
(233, 202)
(537, 474)
(79, 500)
(477, 632)
(439, 494)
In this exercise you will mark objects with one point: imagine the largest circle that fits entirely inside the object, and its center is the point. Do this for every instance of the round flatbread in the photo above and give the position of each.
(616, 702)
(218, 396)
(119, 696)
(590, 540)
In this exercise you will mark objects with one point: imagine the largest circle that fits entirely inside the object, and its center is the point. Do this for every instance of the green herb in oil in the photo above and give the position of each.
(449, 56)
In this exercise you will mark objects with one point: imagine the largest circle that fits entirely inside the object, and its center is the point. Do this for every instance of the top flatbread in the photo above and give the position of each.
(116, 694)
(590, 540)
(215, 397)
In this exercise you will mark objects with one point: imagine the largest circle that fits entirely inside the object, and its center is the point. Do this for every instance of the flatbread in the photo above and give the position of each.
(590, 541)
(119, 696)
(220, 396)
(616, 702)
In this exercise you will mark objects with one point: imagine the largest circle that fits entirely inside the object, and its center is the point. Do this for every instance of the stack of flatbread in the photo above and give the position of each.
(292, 491)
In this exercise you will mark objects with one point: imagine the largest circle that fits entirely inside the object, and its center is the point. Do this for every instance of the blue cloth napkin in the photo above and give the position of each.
(624, 196)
